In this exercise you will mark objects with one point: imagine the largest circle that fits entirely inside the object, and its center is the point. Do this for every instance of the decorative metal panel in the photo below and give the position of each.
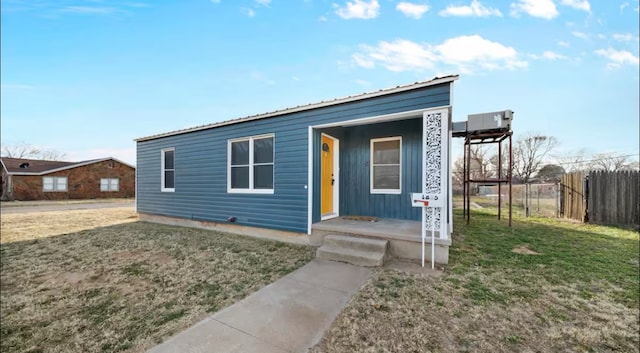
(435, 127)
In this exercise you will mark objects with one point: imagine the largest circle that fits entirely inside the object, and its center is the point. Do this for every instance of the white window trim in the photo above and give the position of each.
(109, 185)
(162, 169)
(250, 190)
(55, 184)
(385, 191)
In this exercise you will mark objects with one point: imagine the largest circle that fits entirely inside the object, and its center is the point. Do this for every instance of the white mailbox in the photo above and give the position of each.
(426, 200)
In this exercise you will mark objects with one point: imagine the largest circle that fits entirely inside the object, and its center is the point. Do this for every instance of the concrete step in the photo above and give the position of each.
(354, 250)
(355, 257)
(356, 243)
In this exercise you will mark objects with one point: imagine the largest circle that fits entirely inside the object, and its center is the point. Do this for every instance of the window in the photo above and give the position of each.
(251, 165)
(386, 165)
(54, 184)
(109, 184)
(168, 175)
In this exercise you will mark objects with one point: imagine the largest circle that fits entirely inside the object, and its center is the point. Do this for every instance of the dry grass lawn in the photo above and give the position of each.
(28, 226)
(541, 286)
(99, 281)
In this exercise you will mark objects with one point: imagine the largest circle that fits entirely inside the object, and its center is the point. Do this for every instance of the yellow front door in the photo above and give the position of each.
(327, 181)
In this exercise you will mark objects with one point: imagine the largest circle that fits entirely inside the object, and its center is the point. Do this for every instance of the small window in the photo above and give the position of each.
(386, 165)
(251, 164)
(168, 175)
(109, 184)
(52, 184)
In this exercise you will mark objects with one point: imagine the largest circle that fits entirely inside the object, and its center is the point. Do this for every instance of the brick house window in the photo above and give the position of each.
(168, 176)
(109, 184)
(52, 184)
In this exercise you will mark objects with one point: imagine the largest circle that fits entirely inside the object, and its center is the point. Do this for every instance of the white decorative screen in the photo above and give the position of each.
(435, 159)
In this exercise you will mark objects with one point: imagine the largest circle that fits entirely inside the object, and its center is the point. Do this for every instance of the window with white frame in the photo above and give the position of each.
(250, 164)
(54, 184)
(109, 184)
(386, 165)
(168, 176)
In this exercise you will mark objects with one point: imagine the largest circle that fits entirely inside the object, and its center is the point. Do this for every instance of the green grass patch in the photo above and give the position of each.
(543, 285)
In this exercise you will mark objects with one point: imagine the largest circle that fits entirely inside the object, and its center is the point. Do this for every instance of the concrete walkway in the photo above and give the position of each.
(289, 315)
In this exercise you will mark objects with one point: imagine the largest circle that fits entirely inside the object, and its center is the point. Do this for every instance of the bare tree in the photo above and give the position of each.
(26, 150)
(612, 162)
(575, 161)
(529, 152)
(480, 166)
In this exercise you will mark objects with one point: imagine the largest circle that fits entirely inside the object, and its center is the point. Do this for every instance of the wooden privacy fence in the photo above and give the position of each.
(572, 196)
(614, 197)
(601, 197)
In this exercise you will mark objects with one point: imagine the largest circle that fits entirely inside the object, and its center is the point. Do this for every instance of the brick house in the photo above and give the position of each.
(29, 179)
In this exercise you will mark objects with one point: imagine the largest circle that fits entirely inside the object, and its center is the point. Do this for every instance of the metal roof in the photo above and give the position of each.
(366, 95)
(22, 166)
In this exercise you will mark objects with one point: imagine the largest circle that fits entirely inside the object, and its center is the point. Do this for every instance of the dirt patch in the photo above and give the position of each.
(524, 250)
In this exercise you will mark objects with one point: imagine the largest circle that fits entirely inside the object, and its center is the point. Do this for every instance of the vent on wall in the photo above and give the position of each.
(24, 165)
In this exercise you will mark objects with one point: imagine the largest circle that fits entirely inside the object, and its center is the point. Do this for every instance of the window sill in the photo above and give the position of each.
(386, 192)
(168, 190)
(250, 191)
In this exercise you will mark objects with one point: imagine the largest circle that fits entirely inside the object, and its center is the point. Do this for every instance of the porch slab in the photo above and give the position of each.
(404, 236)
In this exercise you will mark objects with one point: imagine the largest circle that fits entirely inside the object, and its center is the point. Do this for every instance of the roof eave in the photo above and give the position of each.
(79, 164)
(322, 104)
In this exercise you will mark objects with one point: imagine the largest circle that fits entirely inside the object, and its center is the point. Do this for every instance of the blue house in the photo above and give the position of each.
(303, 172)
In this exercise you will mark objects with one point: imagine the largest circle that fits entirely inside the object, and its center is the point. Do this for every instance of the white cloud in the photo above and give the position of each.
(467, 54)
(474, 9)
(247, 11)
(550, 55)
(577, 4)
(412, 10)
(624, 37)
(322, 19)
(537, 8)
(399, 55)
(363, 82)
(623, 6)
(564, 44)
(618, 58)
(90, 10)
(263, 2)
(580, 35)
(359, 9)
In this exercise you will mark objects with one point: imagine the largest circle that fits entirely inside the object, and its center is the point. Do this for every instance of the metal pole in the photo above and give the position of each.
(433, 235)
(464, 179)
(510, 174)
(468, 182)
(499, 177)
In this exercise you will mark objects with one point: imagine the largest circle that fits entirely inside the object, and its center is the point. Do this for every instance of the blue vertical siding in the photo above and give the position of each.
(355, 196)
(201, 165)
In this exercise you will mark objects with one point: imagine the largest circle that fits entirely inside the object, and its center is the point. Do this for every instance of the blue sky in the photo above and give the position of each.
(86, 77)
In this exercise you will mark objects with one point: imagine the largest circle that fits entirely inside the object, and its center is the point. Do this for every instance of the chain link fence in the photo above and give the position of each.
(540, 200)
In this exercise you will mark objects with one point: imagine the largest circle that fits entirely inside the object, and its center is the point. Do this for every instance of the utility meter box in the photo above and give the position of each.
(490, 121)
